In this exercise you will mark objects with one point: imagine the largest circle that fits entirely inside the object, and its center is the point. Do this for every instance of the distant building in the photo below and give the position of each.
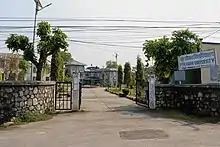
(5, 59)
(75, 66)
(106, 76)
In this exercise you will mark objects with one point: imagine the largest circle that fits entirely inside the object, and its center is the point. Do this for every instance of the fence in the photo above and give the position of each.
(18, 98)
(142, 97)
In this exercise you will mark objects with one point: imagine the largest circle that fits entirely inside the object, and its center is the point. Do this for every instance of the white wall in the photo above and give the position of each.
(205, 72)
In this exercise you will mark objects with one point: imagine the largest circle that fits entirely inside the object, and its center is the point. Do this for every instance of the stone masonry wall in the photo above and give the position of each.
(20, 98)
(192, 99)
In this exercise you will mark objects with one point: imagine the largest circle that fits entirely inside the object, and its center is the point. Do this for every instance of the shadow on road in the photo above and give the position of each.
(184, 119)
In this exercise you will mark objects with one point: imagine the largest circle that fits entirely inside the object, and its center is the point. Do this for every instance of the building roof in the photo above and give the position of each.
(76, 63)
(102, 70)
(216, 43)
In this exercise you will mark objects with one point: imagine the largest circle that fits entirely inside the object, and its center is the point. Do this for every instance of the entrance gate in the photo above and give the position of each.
(63, 96)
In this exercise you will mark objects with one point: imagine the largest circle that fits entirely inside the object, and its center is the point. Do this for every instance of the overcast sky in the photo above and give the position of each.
(191, 10)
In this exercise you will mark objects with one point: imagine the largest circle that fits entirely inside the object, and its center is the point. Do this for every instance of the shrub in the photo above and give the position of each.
(125, 91)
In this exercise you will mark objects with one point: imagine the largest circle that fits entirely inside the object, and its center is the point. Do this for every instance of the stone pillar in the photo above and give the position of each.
(76, 80)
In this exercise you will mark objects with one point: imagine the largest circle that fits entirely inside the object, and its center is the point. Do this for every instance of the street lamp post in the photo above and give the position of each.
(38, 4)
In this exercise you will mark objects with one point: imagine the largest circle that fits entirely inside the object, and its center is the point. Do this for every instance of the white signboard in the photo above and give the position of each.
(197, 60)
(152, 98)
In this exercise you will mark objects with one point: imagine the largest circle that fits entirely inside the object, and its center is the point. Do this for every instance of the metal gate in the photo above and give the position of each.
(63, 96)
(142, 95)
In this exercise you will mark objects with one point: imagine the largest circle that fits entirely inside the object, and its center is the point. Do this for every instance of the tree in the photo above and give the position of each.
(111, 64)
(58, 42)
(67, 56)
(11, 66)
(140, 71)
(165, 51)
(44, 48)
(60, 68)
(23, 67)
(120, 76)
(127, 74)
(132, 83)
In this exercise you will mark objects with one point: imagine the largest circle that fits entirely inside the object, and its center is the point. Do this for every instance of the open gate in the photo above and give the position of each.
(63, 96)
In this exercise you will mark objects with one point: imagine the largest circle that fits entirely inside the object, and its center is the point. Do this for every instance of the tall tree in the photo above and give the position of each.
(127, 74)
(111, 64)
(58, 42)
(120, 76)
(165, 51)
(140, 71)
(67, 56)
(44, 48)
(60, 68)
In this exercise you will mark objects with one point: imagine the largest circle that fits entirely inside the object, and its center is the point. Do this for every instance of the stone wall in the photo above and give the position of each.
(17, 98)
(191, 99)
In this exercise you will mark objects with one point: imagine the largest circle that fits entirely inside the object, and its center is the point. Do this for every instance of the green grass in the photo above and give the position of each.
(117, 90)
(28, 118)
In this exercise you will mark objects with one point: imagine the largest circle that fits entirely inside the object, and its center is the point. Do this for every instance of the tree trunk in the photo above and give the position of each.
(54, 67)
(39, 72)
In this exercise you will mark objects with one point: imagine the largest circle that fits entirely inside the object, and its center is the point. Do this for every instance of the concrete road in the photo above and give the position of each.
(109, 121)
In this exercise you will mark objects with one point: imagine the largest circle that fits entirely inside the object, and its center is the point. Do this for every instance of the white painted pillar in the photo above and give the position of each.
(75, 97)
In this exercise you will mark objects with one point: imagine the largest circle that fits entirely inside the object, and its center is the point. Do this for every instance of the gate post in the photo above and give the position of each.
(75, 97)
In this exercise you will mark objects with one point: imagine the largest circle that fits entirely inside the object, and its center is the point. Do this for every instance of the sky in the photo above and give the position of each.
(96, 54)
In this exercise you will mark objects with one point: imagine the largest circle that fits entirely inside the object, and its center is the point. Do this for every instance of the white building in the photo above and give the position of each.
(203, 65)
(75, 66)
(205, 72)
(106, 76)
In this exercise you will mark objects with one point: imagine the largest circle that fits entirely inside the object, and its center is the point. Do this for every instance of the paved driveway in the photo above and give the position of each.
(109, 121)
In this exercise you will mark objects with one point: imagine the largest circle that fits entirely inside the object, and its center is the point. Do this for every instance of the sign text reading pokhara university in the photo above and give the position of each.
(197, 60)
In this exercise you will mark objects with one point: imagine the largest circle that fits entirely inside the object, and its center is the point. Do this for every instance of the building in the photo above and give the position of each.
(202, 67)
(45, 76)
(105, 76)
(205, 72)
(75, 66)
(9, 63)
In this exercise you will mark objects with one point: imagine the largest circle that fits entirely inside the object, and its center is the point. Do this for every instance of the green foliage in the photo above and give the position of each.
(60, 68)
(127, 74)
(120, 75)
(111, 64)
(149, 70)
(23, 66)
(165, 51)
(68, 79)
(140, 71)
(132, 79)
(67, 56)
(1, 76)
(31, 117)
(44, 47)
(59, 42)
(46, 69)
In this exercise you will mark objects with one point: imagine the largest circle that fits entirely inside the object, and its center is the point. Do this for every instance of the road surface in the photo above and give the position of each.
(109, 121)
